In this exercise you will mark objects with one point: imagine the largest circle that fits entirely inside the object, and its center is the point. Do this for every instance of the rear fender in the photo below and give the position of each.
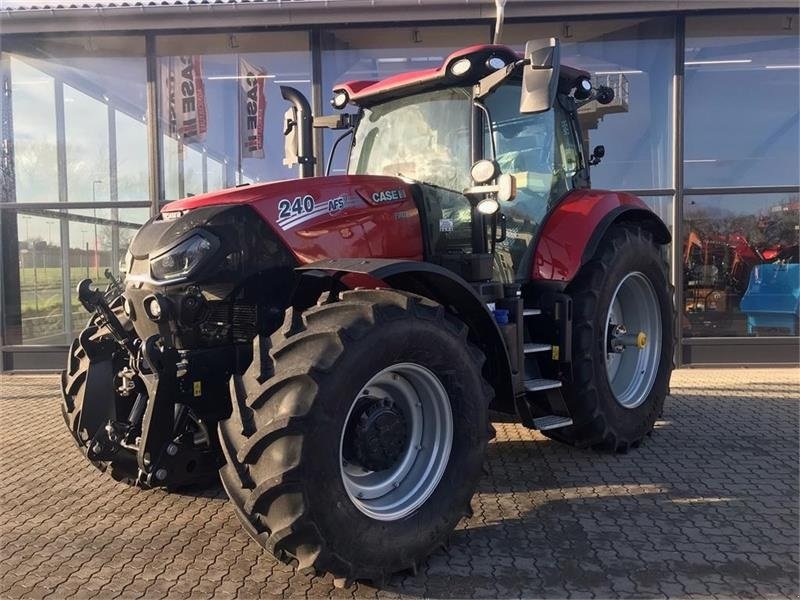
(572, 231)
(430, 281)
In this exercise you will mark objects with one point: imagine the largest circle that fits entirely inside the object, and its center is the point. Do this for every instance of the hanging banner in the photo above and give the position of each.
(183, 100)
(252, 108)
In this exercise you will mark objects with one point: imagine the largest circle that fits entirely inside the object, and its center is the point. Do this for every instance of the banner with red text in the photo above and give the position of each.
(252, 109)
(183, 98)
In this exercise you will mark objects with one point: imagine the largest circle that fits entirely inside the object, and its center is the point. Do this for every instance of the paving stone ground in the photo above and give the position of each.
(707, 507)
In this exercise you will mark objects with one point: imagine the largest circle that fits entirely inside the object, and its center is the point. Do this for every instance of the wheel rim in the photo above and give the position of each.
(405, 393)
(633, 340)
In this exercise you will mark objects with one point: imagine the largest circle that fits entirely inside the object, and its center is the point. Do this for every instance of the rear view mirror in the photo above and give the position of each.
(540, 75)
(597, 155)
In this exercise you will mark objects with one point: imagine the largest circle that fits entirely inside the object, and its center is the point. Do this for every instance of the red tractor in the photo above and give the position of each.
(332, 346)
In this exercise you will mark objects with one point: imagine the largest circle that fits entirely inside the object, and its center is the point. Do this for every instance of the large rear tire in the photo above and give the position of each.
(322, 419)
(622, 346)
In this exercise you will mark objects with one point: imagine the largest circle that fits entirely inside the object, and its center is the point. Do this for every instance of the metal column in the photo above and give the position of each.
(676, 260)
(154, 145)
(63, 196)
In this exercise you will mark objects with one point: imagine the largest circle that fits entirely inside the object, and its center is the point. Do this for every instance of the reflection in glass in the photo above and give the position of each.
(95, 87)
(131, 163)
(193, 172)
(86, 130)
(741, 101)
(96, 240)
(635, 58)
(40, 286)
(34, 116)
(212, 87)
(740, 265)
(662, 206)
(215, 174)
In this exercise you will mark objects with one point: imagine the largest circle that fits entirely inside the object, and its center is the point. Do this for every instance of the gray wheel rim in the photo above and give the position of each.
(396, 492)
(632, 371)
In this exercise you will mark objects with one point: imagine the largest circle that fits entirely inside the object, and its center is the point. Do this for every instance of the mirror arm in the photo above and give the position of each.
(340, 121)
(492, 81)
(479, 191)
(485, 110)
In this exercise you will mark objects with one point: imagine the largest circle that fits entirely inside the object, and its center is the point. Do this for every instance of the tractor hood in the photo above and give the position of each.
(288, 189)
(345, 216)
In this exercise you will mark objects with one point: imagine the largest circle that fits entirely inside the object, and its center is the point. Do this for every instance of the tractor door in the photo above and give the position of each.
(543, 153)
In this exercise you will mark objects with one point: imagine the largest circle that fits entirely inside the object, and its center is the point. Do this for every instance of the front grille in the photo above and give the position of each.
(229, 322)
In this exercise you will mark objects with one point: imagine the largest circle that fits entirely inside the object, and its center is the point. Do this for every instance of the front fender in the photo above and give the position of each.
(573, 229)
(446, 288)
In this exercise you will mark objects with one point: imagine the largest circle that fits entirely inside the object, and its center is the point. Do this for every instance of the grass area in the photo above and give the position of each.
(44, 277)
(42, 301)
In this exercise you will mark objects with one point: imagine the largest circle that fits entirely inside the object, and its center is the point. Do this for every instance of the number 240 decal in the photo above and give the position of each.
(301, 205)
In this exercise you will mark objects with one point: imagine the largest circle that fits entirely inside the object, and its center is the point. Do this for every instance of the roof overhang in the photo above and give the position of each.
(71, 16)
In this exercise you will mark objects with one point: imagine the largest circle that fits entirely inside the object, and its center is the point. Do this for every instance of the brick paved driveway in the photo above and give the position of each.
(707, 507)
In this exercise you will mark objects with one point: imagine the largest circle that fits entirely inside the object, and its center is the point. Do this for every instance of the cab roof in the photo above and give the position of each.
(368, 92)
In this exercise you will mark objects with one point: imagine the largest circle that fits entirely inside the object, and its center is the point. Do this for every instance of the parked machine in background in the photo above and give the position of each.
(739, 277)
(332, 345)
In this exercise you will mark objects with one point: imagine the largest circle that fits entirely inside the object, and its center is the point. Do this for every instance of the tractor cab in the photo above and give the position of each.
(491, 142)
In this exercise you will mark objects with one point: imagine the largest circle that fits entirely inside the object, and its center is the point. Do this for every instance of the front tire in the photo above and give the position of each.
(622, 343)
(322, 420)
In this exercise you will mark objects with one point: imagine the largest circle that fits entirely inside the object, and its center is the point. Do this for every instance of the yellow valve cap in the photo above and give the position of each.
(641, 340)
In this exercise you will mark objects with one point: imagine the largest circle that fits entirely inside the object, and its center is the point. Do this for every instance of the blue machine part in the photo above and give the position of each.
(501, 316)
(772, 299)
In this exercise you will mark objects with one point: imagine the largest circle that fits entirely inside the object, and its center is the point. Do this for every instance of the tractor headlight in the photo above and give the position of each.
(339, 99)
(495, 63)
(460, 67)
(583, 88)
(488, 206)
(181, 260)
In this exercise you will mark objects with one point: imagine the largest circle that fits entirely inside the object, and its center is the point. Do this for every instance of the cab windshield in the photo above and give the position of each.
(425, 137)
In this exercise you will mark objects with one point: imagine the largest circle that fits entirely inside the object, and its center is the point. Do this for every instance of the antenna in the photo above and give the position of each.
(500, 6)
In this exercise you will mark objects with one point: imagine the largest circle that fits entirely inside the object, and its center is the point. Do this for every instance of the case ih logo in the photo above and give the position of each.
(388, 196)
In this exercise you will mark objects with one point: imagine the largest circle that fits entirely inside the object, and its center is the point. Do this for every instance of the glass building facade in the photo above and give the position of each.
(99, 130)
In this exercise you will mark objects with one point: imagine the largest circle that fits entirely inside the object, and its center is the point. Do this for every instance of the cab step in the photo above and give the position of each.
(551, 422)
(532, 348)
(537, 385)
